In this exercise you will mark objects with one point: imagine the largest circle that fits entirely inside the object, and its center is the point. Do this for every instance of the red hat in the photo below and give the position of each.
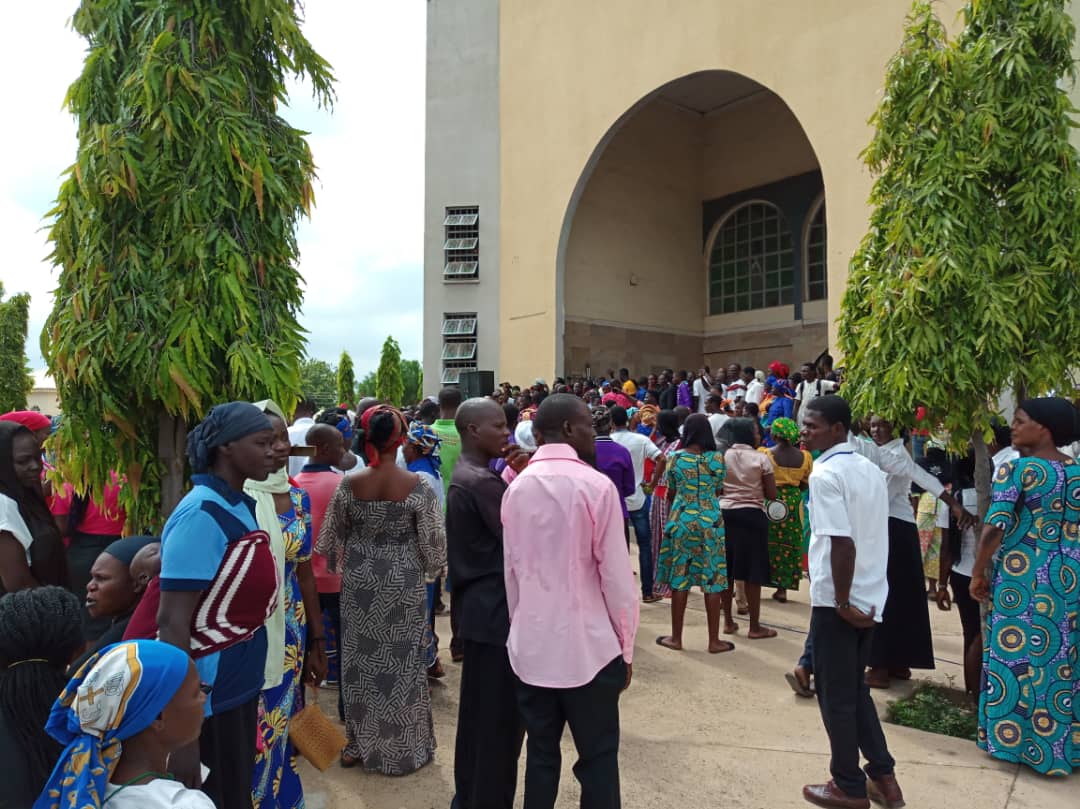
(30, 419)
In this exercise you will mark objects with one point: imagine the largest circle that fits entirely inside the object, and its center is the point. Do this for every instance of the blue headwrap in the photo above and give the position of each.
(427, 441)
(116, 694)
(224, 423)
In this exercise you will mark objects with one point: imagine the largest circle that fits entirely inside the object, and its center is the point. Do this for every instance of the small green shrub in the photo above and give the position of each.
(933, 709)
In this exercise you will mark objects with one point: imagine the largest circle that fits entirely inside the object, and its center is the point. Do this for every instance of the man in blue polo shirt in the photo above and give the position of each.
(210, 603)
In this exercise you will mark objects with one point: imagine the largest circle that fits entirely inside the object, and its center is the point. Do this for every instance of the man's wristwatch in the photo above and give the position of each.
(843, 606)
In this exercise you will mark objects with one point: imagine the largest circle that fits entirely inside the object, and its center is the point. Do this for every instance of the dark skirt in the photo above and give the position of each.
(902, 639)
(746, 534)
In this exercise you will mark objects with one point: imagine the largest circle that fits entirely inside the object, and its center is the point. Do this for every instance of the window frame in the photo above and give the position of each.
(817, 208)
(785, 295)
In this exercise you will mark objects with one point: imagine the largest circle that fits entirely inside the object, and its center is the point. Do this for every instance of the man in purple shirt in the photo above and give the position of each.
(614, 461)
(683, 397)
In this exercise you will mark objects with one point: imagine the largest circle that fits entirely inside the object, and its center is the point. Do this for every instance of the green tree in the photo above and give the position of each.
(388, 384)
(318, 382)
(412, 379)
(346, 380)
(16, 380)
(175, 232)
(366, 387)
(967, 284)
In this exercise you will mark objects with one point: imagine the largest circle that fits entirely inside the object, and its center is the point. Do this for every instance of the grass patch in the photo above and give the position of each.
(935, 709)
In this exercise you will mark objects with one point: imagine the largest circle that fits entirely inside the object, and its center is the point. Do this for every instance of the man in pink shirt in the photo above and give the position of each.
(573, 606)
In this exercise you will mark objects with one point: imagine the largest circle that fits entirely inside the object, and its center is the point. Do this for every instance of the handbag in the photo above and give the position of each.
(776, 510)
(315, 737)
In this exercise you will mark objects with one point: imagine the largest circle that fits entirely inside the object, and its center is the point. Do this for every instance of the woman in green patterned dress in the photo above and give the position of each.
(1028, 711)
(693, 552)
(792, 467)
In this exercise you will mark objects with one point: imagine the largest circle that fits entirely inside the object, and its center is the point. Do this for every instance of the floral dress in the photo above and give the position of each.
(786, 537)
(277, 783)
(693, 551)
(1029, 711)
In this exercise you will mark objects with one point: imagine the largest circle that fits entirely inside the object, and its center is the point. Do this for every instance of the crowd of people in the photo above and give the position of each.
(167, 670)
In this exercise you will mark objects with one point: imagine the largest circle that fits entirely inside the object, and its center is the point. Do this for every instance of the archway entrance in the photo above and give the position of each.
(696, 234)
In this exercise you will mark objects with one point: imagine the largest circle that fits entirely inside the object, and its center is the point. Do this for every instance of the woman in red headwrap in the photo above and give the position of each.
(383, 531)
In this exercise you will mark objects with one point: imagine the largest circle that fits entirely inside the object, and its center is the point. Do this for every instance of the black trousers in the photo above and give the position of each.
(592, 712)
(840, 653)
(489, 732)
(967, 606)
(227, 747)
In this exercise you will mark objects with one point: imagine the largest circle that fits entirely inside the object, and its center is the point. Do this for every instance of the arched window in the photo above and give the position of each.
(817, 268)
(751, 265)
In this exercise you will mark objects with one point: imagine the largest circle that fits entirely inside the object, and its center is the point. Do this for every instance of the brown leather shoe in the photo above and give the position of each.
(830, 795)
(884, 790)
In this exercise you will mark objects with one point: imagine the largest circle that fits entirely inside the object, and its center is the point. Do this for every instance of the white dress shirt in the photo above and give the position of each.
(968, 541)
(901, 470)
(701, 391)
(755, 391)
(639, 448)
(848, 497)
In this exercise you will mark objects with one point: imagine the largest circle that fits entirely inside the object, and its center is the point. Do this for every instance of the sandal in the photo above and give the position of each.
(728, 647)
(348, 762)
(652, 599)
(660, 642)
(781, 597)
(731, 630)
(766, 633)
(800, 686)
(436, 671)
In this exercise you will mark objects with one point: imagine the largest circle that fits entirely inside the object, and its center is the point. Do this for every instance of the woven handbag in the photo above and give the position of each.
(315, 736)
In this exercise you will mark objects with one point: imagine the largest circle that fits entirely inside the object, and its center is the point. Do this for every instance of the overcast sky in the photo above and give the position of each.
(362, 252)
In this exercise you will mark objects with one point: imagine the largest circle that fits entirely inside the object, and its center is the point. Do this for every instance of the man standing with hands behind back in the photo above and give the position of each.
(489, 731)
(849, 556)
(573, 606)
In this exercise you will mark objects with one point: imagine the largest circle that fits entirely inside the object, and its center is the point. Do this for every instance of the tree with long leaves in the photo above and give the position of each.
(318, 382)
(388, 384)
(967, 285)
(346, 380)
(16, 381)
(175, 232)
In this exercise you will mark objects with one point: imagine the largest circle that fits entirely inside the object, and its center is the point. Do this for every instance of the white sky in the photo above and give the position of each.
(362, 252)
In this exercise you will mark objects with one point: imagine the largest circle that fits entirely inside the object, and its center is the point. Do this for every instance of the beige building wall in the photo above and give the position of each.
(571, 70)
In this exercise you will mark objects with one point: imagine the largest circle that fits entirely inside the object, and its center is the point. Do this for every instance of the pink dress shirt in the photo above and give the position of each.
(569, 584)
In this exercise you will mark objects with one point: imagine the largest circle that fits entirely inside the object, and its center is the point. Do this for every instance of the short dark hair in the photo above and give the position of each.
(749, 369)
(511, 412)
(450, 398)
(553, 412)
(832, 408)
(428, 411)
(739, 431)
(619, 416)
(625, 371)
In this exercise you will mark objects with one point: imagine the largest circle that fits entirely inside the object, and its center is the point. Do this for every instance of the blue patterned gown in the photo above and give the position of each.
(693, 553)
(1031, 685)
(277, 783)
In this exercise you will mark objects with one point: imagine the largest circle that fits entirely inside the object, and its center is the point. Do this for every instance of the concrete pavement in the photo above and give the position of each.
(701, 730)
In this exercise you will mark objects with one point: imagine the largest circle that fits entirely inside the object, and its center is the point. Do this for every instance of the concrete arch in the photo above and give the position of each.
(705, 93)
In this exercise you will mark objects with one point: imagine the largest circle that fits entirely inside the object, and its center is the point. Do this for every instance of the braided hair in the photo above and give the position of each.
(40, 634)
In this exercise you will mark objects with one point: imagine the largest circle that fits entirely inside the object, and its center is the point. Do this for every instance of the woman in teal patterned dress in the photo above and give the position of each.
(692, 553)
(284, 512)
(1029, 705)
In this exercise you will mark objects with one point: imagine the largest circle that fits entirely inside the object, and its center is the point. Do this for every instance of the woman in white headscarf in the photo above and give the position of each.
(295, 627)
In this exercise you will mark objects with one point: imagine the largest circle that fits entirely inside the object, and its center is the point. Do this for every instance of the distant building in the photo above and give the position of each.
(43, 395)
(631, 183)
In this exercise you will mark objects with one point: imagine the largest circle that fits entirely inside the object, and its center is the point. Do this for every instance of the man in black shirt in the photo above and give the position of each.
(667, 391)
(490, 730)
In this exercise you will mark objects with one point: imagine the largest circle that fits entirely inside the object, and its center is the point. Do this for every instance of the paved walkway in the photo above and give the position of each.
(702, 730)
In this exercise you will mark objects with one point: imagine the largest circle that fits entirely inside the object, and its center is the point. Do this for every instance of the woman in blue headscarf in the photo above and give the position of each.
(782, 407)
(120, 717)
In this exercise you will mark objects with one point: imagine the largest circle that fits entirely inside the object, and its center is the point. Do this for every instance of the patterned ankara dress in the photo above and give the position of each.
(786, 537)
(386, 549)
(1029, 707)
(693, 552)
(276, 782)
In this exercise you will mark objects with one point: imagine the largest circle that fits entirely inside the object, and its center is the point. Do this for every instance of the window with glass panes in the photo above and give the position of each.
(817, 270)
(459, 345)
(752, 262)
(461, 248)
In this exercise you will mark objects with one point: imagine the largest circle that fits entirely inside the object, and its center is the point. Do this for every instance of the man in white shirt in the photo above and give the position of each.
(702, 386)
(717, 417)
(755, 388)
(811, 387)
(303, 420)
(637, 504)
(849, 554)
